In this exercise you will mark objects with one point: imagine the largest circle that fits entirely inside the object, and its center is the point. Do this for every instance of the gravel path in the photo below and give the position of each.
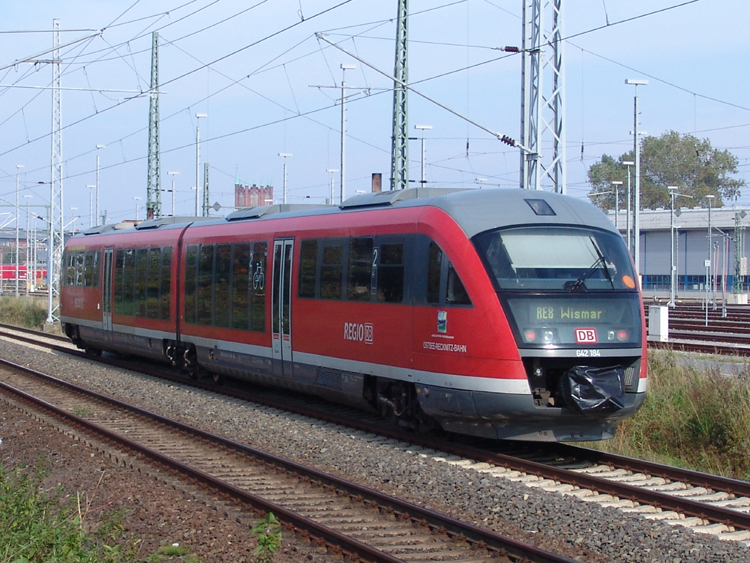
(578, 529)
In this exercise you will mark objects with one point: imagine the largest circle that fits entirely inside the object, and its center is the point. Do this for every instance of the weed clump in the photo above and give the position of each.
(693, 416)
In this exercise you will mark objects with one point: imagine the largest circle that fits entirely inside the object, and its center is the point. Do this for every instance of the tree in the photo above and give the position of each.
(685, 161)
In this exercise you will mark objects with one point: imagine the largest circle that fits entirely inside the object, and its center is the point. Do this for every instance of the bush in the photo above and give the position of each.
(692, 417)
(27, 312)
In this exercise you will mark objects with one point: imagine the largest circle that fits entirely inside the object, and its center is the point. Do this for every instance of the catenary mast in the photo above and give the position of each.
(153, 190)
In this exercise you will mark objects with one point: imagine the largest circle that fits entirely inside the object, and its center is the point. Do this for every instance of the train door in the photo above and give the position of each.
(281, 308)
(107, 291)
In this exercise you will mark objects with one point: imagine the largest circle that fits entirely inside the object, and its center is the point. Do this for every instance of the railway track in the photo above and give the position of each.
(362, 524)
(704, 503)
(689, 332)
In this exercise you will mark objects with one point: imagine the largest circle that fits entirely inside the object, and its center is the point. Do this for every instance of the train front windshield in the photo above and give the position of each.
(558, 282)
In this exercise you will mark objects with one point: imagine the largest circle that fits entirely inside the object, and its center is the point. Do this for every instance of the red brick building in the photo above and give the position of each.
(252, 196)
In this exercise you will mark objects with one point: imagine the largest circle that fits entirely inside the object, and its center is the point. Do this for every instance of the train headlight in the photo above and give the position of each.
(549, 336)
(540, 336)
(619, 335)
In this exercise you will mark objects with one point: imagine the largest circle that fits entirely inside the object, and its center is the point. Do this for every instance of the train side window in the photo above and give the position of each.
(91, 268)
(119, 281)
(141, 281)
(444, 286)
(191, 283)
(434, 267)
(129, 283)
(240, 286)
(307, 264)
(360, 269)
(222, 302)
(152, 288)
(258, 287)
(165, 289)
(70, 268)
(391, 273)
(331, 272)
(455, 291)
(205, 277)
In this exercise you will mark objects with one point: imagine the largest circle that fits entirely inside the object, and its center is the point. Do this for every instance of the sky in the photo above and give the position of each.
(268, 85)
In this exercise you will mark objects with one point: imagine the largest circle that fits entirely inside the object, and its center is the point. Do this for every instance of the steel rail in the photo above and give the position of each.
(334, 538)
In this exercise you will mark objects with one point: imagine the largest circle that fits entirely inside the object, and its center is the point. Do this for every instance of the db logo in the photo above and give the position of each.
(586, 336)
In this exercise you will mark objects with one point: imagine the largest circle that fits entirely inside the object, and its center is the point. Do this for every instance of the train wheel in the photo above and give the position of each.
(93, 352)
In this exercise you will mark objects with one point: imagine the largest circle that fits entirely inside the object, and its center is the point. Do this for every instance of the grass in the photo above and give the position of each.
(692, 417)
(37, 526)
(29, 312)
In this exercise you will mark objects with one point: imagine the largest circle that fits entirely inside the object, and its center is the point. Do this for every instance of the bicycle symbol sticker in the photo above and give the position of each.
(259, 278)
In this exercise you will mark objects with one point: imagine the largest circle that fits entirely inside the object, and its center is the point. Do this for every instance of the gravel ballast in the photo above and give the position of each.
(577, 529)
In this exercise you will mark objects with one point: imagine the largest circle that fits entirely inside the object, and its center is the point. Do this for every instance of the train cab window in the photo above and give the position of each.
(390, 273)
(360, 269)
(307, 267)
(331, 272)
(444, 286)
(566, 259)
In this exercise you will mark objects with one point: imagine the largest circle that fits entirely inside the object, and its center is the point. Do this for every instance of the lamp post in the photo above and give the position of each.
(637, 195)
(342, 179)
(198, 117)
(628, 222)
(73, 222)
(173, 174)
(616, 185)
(137, 199)
(28, 220)
(18, 260)
(332, 171)
(284, 155)
(91, 205)
(423, 128)
(672, 265)
(98, 147)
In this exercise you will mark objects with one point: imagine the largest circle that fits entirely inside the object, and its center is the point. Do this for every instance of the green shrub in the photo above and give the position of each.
(29, 312)
(693, 417)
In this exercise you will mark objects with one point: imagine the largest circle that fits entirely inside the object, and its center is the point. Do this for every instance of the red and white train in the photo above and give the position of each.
(508, 314)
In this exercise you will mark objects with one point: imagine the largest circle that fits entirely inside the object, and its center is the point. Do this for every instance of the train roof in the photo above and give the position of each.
(475, 210)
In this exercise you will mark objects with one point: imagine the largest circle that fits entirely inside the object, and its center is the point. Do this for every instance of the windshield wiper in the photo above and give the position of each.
(600, 261)
(576, 285)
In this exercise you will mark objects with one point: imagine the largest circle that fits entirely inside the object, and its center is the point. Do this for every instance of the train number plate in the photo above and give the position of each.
(586, 336)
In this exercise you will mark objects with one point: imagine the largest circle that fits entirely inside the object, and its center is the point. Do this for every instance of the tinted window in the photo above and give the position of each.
(331, 272)
(240, 287)
(222, 273)
(360, 269)
(307, 263)
(191, 283)
(391, 273)
(258, 287)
